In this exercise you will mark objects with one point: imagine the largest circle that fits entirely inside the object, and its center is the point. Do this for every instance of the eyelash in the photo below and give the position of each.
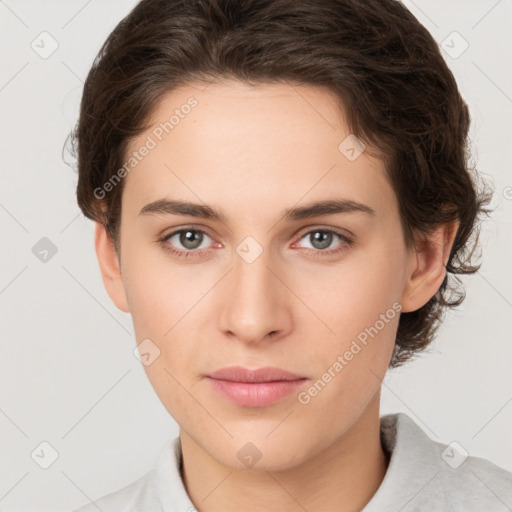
(316, 253)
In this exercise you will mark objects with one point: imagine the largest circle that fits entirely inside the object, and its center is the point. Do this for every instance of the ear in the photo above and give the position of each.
(427, 266)
(110, 267)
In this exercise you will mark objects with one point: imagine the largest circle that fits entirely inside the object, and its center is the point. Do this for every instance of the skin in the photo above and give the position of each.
(251, 152)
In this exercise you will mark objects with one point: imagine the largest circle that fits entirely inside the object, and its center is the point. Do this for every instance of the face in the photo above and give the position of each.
(270, 282)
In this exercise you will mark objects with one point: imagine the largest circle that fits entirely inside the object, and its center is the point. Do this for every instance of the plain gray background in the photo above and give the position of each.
(68, 374)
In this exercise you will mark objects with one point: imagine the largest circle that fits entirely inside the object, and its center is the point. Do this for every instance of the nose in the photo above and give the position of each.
(256, 303)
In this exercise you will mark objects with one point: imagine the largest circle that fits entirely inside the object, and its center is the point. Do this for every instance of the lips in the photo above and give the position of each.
(267, 374)
(255, 388)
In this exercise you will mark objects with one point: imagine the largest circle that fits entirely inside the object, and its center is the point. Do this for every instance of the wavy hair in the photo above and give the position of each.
(396, 91)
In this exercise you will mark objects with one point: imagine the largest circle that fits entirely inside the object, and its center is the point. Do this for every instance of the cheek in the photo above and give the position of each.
(162, 307)
(165, 301)
(356, 295)
(361, 305)
(155, 294)
(363, 310)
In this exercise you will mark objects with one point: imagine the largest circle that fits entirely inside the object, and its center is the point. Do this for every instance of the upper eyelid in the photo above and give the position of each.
(337, 231)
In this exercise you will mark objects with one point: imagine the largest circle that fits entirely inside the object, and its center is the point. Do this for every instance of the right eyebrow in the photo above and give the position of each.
(175, 207)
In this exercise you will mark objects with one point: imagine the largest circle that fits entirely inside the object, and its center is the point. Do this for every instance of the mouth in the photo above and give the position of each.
(255, 388)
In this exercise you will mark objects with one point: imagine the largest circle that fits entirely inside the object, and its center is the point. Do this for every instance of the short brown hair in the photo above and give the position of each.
(385, 68)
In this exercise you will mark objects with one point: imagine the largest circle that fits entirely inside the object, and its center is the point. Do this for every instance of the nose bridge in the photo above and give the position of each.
(253, 306)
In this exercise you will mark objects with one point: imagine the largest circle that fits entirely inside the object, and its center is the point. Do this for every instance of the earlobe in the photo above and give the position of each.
(427, 266)
(109, 266)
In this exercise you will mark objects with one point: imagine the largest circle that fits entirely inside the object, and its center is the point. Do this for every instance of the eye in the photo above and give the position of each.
(321, 239)
(189, 238)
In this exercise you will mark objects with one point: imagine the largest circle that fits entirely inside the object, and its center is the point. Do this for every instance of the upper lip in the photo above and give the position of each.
(241, 374)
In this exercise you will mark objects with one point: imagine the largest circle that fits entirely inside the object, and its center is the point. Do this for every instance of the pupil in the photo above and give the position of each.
(322, 239)
(190, 237)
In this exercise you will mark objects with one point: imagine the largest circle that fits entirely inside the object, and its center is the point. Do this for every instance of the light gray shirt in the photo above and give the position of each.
(423, 476)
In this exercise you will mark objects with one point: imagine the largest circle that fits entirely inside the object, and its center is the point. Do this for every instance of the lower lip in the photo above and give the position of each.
(255, 394)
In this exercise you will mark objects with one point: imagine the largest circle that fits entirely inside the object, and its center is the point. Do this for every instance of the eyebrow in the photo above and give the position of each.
(320, 208)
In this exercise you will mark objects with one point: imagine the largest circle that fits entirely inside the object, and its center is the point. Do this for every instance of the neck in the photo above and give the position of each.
(341, 478)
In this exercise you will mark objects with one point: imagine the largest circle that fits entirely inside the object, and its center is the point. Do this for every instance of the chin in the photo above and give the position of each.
(259, 454)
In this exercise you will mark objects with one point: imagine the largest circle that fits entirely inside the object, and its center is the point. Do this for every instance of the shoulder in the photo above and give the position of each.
(424, 474)
(468, 480)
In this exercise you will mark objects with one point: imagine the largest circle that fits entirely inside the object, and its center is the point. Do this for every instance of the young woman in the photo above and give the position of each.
(282, 199)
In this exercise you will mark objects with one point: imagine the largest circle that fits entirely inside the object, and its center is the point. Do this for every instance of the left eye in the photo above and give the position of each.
(321, 239)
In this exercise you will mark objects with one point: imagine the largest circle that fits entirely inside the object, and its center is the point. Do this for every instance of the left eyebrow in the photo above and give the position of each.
(317, 209)
(328, 207)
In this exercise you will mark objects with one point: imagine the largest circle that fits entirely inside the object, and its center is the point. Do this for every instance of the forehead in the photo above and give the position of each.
(250, 145)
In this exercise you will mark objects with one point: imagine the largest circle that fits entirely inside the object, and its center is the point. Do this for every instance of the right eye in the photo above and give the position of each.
(190, 239)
